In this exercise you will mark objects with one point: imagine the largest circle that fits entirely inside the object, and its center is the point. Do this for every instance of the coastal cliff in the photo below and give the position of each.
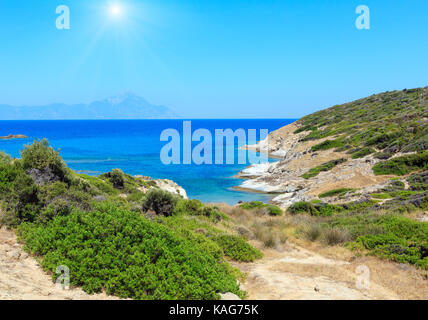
(334, 151)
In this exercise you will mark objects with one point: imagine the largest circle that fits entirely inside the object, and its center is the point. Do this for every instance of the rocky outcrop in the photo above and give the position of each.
(171, 186)
(41, 177)
(284, 178)
(14, 136)
(164, 184)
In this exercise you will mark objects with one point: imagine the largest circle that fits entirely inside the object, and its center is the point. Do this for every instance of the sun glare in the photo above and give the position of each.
(115, 10)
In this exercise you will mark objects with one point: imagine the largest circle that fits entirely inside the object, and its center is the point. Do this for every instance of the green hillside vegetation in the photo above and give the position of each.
(382, 229)
(115, 237)
(390, 122)
(393, 127)
(313, 172)
(260, 206)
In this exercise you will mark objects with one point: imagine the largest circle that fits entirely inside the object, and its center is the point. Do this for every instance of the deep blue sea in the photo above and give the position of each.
(95, 147)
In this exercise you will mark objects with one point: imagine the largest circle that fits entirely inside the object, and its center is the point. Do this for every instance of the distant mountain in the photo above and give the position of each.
(124, 106)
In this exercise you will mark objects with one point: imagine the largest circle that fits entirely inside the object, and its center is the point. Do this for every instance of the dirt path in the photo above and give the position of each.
(291, 272)
(21, 277)
(295, 273)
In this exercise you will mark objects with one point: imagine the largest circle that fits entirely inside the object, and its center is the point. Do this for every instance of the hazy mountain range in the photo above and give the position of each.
(124, 106)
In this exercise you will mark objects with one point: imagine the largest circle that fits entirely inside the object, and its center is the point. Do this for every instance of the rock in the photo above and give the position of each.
(317, 289)
(229, 296)
(41, 177)
(171, 186)
(14, 136)
(24, 255)
(100, 198)
(15, 254)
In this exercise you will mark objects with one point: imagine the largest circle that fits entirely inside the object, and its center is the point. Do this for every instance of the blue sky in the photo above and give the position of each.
(209, 59)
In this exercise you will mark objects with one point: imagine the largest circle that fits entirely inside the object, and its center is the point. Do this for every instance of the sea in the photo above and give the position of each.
(94, 147)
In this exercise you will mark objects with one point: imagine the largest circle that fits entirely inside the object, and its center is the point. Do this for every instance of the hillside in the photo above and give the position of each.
(124, 106)
(360, 170)
(355, 145)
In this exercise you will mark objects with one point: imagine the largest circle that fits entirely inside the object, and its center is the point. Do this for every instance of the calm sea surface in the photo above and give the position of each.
(95, 147)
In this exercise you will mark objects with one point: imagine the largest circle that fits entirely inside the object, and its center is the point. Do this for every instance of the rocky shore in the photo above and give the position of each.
(284, 178)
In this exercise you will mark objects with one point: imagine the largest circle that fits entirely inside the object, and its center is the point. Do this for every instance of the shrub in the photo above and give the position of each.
(335, 192)
(324, 167)
(41, 156)
(362, 153)
(129, 256)
(197, 208)
(328, 144)
(402, 165)
(117, 178)
(317, 209)
(100, 185)
(325, 209)
(383, 155)
(237, 248)
(275, 211)
(160, 201)
(5, 159)
(270, 209)
(302, 207)
(252, 205)
(389, 236)
(21, 197)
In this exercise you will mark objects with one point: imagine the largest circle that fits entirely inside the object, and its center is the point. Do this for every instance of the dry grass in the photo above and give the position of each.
(258, 225)
(286, 233)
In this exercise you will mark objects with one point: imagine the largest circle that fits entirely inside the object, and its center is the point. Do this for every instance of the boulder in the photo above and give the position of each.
(229, 296)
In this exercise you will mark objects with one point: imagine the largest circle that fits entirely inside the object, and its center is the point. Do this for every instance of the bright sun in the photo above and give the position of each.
(115, 10)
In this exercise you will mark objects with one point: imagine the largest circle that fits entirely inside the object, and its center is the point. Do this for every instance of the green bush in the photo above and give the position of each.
(20, 195)
(335, 192)
(402, 165)
(275, 210)
(361, 153)
(100, 185)
(5, 159)
(328, 144)
(117, 178)
(197, 208)
(272, 210)
(237, 248)
(130, 256)
(393, 237)
(324, 167)
(41, 156)
(302, 207)
(160, 201)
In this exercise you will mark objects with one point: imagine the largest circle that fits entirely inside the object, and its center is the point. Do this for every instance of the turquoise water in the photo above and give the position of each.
(95, 147)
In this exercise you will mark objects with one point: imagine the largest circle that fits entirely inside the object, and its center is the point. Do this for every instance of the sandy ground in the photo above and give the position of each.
(297, 273)
(21, 277)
